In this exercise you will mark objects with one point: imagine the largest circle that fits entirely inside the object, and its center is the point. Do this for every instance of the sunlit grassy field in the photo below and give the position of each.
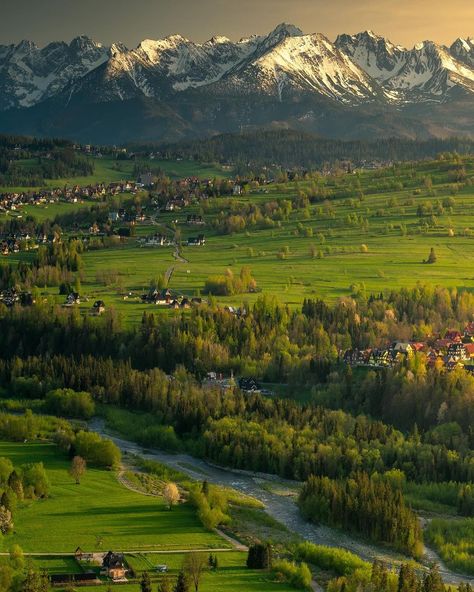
(323, 244)
(396, 248)
(99, 509)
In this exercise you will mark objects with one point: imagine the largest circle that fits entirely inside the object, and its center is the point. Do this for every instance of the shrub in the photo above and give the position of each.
(70, 403)
(298, 576)
(341, 562)
(259, 557)
(96, 450)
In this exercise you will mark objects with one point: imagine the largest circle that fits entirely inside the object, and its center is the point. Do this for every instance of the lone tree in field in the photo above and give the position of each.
(78, 468)
(145, 582)
(259, 557)
(165, 585)
(181, 583)
(6, 522)
(171, 494)
(194, 565)
(432, 256)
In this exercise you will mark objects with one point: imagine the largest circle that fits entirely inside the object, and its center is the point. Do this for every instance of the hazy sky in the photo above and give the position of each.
(403, 21)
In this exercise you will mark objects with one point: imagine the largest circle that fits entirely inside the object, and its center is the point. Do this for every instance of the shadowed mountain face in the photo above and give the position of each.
(359, 86)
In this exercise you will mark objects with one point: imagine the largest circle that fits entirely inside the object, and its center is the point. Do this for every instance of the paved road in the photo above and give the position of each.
(281, 508)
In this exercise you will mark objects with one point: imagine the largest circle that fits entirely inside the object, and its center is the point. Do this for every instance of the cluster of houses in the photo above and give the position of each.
(165, 298)
(155, 240)
(22, 241)
(248, 385)
(195, 220)
(9, 245)
(11, 297)
(197, 241)
(11, 201)
(453, 350)
(122, 215)
(161, 240)
(74, 299)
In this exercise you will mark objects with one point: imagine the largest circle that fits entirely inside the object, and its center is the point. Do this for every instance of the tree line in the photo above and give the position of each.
(366, 505)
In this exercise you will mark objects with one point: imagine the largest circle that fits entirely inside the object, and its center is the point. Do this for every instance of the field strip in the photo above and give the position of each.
(237, 545)
(136, 552)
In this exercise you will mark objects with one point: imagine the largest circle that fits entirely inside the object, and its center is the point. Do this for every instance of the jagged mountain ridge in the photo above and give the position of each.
(29, 75)
(180, 88)
(353, 68)
(426, 72)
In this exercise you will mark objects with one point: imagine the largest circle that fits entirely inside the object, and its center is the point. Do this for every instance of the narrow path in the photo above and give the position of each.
(176, 254)
(137, 551)
(237, 545)
(126, 483)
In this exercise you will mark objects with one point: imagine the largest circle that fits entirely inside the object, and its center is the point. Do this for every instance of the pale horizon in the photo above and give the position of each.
(110, 21)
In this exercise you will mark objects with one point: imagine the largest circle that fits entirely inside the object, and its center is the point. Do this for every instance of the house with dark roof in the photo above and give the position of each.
(457, 351)
(98, 307)
(114, 566)
(196, 241)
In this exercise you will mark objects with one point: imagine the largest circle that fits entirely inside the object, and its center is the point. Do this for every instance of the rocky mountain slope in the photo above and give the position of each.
(177, 88)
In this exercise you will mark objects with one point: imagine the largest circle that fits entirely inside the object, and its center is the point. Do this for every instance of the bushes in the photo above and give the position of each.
(339, 561)
(228, 284)
(96, 450)
(453, 540)
(211, 505)
(17, 428)
(35, 480)
(143, 429)
(70, 403)
(298, 576)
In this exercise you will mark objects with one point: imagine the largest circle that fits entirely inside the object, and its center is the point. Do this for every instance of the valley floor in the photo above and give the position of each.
(280, 507)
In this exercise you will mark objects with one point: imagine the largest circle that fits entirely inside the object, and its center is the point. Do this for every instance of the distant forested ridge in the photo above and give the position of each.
(26, 161)
(290, 148)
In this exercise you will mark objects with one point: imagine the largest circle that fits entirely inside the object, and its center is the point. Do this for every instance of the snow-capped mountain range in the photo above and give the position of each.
(285, 65)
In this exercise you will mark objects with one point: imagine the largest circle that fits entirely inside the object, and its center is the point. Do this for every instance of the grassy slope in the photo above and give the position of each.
(75, 515)
(394, 260)
(454, 541)
(100, 507)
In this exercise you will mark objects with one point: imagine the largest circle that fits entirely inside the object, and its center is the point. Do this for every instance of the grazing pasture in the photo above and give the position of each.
(97, 514)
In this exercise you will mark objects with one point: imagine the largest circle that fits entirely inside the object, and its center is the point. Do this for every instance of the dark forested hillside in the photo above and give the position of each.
(291, 148)
(27, 161)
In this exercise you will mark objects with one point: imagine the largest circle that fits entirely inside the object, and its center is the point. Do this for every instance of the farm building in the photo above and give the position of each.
(114, 566)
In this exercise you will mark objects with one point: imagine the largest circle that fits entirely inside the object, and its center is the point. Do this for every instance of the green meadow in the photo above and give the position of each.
(232, 573)
(323, 247)
(101, 514)
(367, 236)
(97, 514)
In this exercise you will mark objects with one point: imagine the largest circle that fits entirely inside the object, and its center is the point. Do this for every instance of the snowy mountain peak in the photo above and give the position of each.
(353, 69)
(286, 30)
(25, 47)
(83, 42)
(463, 50)
(117, 48)
(218, 40)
